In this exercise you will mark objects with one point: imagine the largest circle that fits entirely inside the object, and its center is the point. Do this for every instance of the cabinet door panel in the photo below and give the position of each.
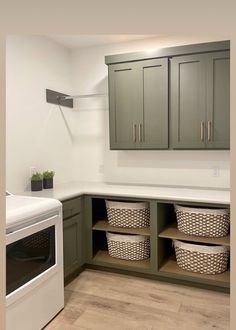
(154, 106)
(188, 101)
(123, 102)
(218, 110)
(71, 244)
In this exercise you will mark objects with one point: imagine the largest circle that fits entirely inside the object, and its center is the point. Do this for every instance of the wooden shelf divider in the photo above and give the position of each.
(103, 225)
(170, 266)
(172, 232)
(102, 256)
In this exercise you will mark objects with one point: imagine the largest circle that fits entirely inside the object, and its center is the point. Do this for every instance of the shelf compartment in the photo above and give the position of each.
(103, 225)
(170, 266)
(103, 257)
(172, 232)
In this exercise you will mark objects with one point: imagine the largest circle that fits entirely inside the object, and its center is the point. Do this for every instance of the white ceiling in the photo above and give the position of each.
(88, 40)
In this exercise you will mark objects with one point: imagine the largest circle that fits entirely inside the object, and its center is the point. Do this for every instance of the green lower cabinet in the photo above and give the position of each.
(72, 244)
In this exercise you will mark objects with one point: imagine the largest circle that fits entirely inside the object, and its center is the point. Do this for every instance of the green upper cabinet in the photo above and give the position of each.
(218, 101)
(188, 101)
(200, 101)
(123, 105)
(172, 98)
(153, 94)
(138, 104)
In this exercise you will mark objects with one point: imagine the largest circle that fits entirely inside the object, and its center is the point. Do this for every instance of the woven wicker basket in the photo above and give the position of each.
(129, 247)
(128, 215)
(201, 258)
(203, 222)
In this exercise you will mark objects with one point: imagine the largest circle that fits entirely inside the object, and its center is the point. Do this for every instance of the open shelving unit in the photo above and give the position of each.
(167, 265)
(163, 229)
(100, 227)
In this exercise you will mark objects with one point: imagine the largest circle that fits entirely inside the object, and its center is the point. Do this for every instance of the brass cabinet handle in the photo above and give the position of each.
(202, 130)
(134, 132)
(140, 132)
(209, 130)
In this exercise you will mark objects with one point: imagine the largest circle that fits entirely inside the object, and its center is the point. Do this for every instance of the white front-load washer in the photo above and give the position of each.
(34, 262)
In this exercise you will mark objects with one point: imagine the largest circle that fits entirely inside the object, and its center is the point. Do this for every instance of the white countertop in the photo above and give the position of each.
(73, 189)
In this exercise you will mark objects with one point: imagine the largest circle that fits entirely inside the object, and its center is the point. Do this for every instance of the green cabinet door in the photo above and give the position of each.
(123, 104)
(138, 105)
(153, 105)
(200, 101)
(188, 101)
(218, 101)
(72, 244)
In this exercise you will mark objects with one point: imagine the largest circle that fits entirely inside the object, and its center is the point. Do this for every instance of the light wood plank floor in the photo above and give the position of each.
(98, 300)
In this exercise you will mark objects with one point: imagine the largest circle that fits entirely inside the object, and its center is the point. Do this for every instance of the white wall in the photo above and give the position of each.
(75, 143)
(90, 119)
(36, 133)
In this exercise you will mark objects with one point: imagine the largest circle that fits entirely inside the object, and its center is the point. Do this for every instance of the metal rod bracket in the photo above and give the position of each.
(58, 98)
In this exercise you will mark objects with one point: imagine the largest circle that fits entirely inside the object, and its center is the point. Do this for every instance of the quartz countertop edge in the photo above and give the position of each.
(70, 190)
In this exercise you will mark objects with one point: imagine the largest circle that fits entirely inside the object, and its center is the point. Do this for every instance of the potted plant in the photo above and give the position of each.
(36, 182)
(48, 179)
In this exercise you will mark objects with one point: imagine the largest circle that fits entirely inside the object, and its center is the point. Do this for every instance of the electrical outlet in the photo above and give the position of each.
(33, 170)
(216, 172)
(101, 168)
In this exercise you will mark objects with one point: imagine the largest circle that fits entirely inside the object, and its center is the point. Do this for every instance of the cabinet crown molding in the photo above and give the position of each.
(169, 52)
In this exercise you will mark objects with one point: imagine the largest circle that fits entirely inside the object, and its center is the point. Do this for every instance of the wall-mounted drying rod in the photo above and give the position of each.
(66, 100)
(83, 96)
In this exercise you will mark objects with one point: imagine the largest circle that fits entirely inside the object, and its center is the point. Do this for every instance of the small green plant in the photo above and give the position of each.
(48, 174)
(36, 176)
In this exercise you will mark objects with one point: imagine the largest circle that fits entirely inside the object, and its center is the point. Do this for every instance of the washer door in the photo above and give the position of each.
(29, 257)
(32, 255)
